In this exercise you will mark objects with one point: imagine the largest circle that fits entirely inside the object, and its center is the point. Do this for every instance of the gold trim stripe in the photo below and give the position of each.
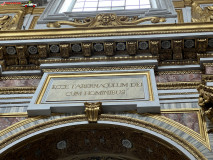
(178, 85)
(15, 114)
(17, 90)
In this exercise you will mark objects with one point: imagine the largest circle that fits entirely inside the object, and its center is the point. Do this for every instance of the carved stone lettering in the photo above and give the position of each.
(118, 88)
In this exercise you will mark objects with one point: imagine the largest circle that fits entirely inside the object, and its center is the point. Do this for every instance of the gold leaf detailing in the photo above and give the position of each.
(106, 19)
(4, 22)
(206, 100)
(92, 111)
(9, 23)
(201, 15)
(177, 85)
(17, 90)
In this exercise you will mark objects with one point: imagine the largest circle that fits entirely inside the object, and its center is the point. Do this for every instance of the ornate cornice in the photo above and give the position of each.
(108, 31)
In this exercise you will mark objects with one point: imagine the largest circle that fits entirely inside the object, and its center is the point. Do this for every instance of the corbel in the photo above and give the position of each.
(87, 49)
(201, 45)
(22, 55)
(64, 48)
(109, 48)
(92, 111)
(42, 51)
(177, 50)
(1, 52)
(132, 48)
(154, 47)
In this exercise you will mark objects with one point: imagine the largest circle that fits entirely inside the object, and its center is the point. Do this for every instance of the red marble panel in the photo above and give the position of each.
(178, 78)
(189, 120)
(20, 83)
(209, 70)
(8, 121)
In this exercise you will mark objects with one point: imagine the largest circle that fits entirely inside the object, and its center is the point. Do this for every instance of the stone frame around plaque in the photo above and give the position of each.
(40, 105)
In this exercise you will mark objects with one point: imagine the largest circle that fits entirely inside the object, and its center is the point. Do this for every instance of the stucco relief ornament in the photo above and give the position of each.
(4, 22)
(201, 14)
(106, 19)
(205, 101)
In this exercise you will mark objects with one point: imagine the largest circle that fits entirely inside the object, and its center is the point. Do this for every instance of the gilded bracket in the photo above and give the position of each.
(106, 19)
(92, 111)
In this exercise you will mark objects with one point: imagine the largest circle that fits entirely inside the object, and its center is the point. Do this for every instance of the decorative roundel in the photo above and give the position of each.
(210, 43)
(121, 46)
(32, 49)
(62, 145)
(98, 47)
(126, 143)
(165, 44)
(76, 48)
(54, 48)
(143, 45)
(11, 50)
(189, 43)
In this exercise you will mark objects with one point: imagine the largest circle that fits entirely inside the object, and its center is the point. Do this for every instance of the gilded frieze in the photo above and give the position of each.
(106, 19)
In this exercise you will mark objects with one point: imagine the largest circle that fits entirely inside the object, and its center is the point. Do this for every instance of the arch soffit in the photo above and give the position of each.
(176, 141)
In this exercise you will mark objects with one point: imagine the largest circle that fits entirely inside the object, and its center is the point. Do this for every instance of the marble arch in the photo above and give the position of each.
(125, 130)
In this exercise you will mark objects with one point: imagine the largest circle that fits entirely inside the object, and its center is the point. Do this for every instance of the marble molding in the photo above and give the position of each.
(209, 70)
(178, 78)
(20, 83)
(8, 121)
(159, 79)
(189, 120)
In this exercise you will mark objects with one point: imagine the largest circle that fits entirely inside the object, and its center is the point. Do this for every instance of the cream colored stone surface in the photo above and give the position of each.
(118, 88)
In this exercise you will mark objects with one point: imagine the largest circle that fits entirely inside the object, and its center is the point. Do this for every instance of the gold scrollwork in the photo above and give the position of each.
(201, 15)
(106, 19)
(206, 100)
(9, 23)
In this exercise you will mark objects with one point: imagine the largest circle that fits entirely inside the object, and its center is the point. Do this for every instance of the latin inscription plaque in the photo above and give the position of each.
(118, 91)
(118, 88)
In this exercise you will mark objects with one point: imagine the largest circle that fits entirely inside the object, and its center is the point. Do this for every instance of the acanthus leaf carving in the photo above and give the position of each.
(206, 100)
(106, 19)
